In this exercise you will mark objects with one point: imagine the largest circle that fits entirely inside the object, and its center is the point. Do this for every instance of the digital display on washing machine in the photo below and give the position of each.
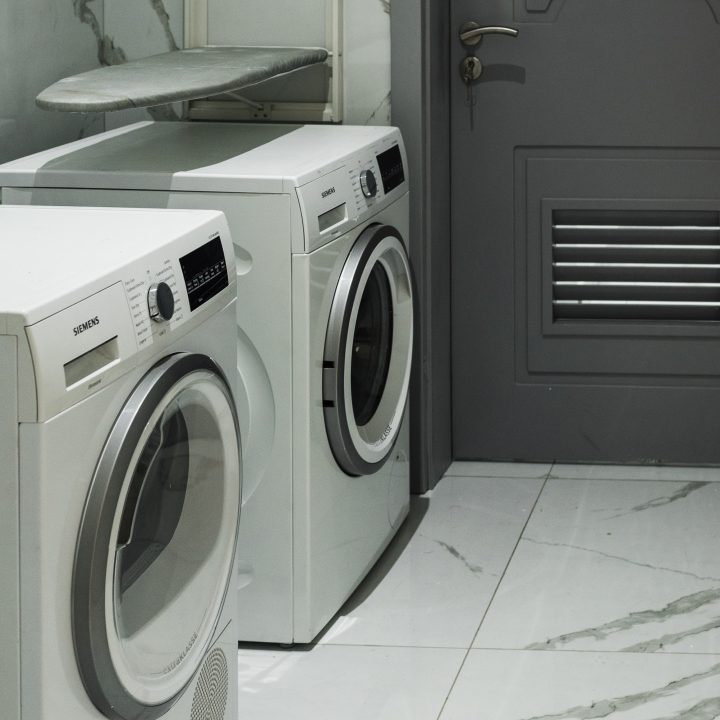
(391, 168)
(204, 272)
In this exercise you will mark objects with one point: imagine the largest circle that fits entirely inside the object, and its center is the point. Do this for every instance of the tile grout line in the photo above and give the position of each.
(401, 647)
(273, 648)
(492, 598)
(512, 554)
(642, 478)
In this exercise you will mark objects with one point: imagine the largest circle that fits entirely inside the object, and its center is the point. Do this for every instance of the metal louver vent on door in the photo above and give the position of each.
(636, 265)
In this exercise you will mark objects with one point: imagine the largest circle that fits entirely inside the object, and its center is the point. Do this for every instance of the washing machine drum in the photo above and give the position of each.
(368, 351)
(155, 549)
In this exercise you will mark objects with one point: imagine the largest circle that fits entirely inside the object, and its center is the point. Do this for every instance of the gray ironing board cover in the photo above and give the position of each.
(174, 76)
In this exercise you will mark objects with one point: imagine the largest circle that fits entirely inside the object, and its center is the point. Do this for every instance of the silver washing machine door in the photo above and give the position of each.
(155, 550)
(368, 351)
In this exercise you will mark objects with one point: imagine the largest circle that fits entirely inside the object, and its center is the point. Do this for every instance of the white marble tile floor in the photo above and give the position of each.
(523, 592)
(434, 585)
(327, 682)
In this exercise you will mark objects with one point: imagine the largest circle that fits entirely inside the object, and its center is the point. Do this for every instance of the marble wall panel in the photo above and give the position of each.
(42, 41)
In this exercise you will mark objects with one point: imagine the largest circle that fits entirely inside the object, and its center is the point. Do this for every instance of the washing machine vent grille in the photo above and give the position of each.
(212, 688)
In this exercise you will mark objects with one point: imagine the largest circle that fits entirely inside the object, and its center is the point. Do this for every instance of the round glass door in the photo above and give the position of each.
(371, 346)
(157, 540)
(368, 351)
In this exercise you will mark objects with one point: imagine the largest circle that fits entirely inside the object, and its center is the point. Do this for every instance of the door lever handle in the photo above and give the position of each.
(471, 33)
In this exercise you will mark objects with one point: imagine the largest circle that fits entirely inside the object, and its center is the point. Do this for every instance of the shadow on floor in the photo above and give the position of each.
(418, 509)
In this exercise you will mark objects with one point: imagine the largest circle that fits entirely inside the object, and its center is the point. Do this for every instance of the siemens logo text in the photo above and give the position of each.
(92, 322)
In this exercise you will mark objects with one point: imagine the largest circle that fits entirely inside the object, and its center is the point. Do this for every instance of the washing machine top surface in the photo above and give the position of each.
(57, 255)
(192, 156)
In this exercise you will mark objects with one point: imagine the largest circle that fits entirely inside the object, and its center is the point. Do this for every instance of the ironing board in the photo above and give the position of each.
(174, 77)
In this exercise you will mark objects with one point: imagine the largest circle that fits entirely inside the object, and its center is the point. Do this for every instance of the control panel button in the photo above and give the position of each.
(368, 183)
(161, 302)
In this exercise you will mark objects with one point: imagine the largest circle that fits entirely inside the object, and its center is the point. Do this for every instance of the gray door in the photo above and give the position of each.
(586, 232)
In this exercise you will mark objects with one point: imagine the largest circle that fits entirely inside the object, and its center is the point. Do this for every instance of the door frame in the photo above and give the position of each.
(420, 36)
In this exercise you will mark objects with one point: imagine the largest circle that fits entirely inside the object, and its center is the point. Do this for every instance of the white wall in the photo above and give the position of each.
(367, 62)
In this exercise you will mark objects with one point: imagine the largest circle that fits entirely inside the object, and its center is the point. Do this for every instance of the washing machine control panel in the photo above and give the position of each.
(164, 295)
(161, 302)
(133, 312)
(155, 301)
(204, 272)
(343, 197)
(368, 183)
(376, 174)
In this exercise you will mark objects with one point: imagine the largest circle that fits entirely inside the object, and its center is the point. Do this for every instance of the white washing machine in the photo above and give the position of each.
(120, 460)
(319, 218)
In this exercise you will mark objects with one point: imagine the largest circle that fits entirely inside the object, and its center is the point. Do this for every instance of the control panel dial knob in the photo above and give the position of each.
(161, 302)
(368, 183)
